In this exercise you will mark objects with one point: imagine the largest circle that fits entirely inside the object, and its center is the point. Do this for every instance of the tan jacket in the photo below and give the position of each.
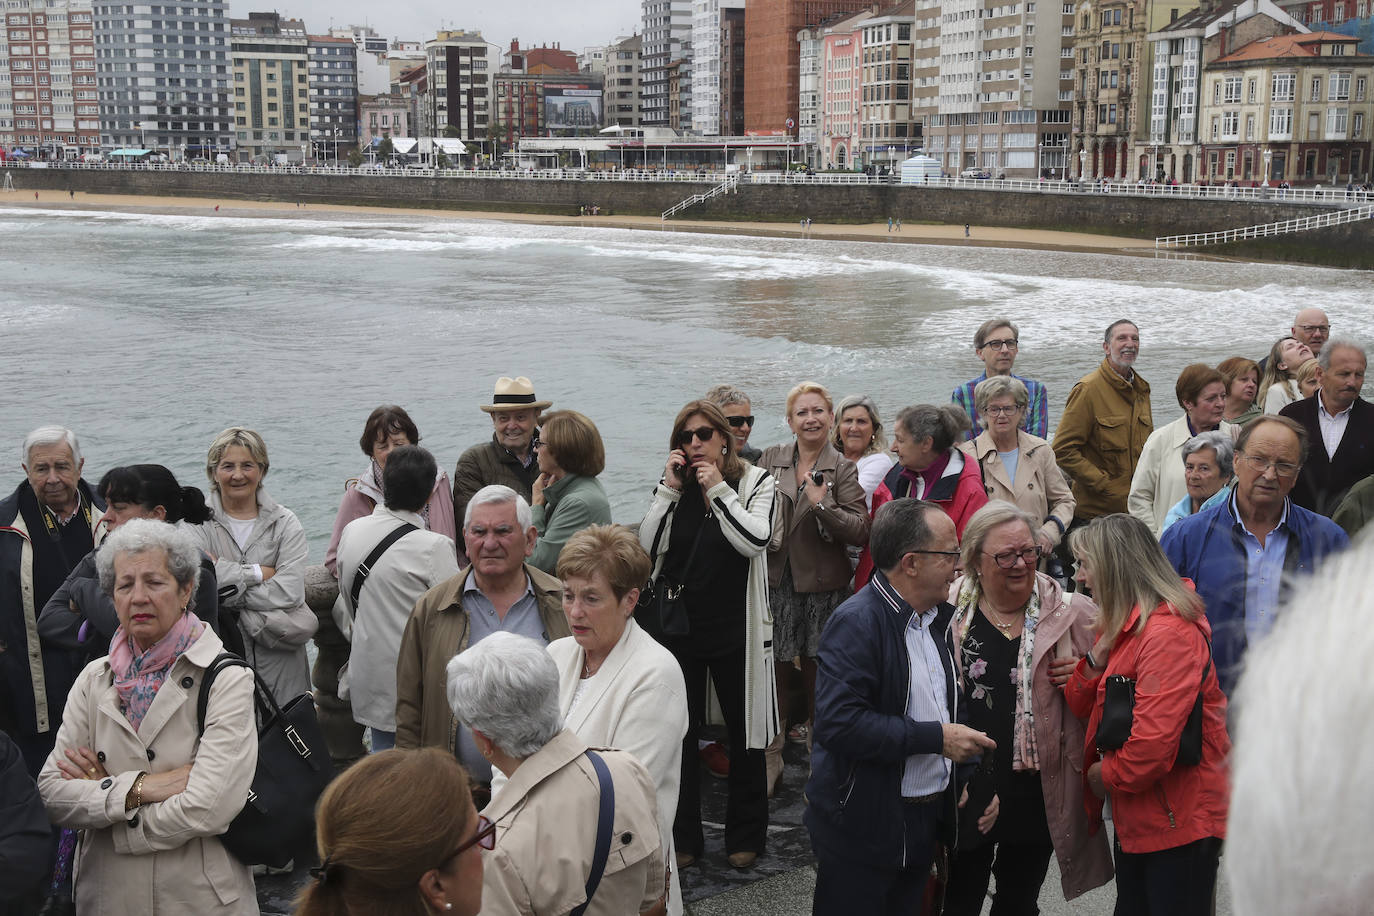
(164, 857)
(1039, 488)
(545, 819)
(818, 564)
(438, 630)
(1104, 427)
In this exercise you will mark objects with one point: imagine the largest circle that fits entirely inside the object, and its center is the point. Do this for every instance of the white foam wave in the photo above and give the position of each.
(352, 243)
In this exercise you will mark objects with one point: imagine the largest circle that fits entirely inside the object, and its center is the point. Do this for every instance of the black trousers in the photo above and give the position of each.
(746, 807)
(1020, 871)
(845, 887)
(1172, 882)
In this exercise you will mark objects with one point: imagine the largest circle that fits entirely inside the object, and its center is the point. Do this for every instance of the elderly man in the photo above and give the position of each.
(883, 791)
(1312, 327)
(1340, 425)
(499, 591)
(997, 342)
(1243, 552)
(46, 526)
(508, 458)
(739, 414)
(402, 560)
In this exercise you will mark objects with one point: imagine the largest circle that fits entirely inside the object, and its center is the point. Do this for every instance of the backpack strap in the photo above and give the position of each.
(365, 567)
(604, 822)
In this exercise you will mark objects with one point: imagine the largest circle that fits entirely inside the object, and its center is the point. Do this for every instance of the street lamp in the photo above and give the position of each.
(1268, 158)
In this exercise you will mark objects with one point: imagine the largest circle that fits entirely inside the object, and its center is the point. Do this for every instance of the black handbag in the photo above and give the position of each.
(662, 606)
(1118, 715)
(293, 768)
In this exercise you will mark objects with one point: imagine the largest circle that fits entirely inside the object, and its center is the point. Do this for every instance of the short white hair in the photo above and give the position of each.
(142, 535)
(50, 435)
(1304, 749)
(506, 687)
(500, 494)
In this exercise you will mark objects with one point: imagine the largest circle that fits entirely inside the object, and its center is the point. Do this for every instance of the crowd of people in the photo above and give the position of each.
(980, 634)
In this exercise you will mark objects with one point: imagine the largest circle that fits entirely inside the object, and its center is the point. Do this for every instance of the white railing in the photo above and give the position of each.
(1283, 227)
(731, 183)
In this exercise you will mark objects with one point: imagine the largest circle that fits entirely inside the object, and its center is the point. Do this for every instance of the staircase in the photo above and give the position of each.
(725, 187)
(1284, 227)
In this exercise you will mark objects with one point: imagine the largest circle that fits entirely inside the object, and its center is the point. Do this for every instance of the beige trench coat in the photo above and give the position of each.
(165, 857)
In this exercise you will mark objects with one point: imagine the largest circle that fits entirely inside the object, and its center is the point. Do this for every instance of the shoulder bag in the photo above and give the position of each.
(605, 822)
(1118, 715)
(662, 606)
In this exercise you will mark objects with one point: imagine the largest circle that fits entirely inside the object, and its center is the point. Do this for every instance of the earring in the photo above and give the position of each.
(725, 449)
(448, 906)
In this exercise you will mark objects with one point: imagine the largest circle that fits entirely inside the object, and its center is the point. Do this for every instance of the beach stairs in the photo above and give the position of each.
(1283, 227)
(730, 183)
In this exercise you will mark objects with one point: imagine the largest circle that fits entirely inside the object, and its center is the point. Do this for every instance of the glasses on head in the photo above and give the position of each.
(485, 837)
(1281, 468)
(1007, 558)
(1001, 411)
(1007, 343)
(1309, 328)
(737, 422)
(702, 434)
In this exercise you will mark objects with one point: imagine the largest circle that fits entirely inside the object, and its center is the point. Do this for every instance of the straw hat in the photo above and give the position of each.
(514, 394)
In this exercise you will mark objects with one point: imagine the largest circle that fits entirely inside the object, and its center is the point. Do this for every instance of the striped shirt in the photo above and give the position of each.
(1037, 421)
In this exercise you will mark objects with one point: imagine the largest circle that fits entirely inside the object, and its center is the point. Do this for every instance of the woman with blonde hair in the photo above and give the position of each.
(860, 437)
(567, 496)
(1241, 376)
(1164, 762)
(398, 836)
(1279, 387)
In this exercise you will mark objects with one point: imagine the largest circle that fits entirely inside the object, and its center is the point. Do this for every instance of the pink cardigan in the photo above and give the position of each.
(356, 504)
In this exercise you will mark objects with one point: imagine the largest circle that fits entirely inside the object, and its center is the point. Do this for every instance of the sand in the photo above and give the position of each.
(911, 233)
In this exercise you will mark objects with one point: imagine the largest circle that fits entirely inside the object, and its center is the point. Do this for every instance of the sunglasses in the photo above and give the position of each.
(485, 837)
(737, 422)
(702, 434)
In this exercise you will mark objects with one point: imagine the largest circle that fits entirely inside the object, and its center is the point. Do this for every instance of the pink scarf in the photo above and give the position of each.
(138, 677)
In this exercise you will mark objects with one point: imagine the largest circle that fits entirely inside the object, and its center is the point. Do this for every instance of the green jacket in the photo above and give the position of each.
(1099, 439)
(571, 504)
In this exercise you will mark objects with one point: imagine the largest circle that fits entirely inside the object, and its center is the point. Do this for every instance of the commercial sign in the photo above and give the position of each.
(571, 106)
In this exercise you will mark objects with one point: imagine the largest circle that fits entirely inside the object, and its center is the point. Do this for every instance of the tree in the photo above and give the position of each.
(385, 149)
(355, 157)
(441, 161)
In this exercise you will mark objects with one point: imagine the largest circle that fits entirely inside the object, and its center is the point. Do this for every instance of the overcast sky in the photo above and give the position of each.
(535, 22)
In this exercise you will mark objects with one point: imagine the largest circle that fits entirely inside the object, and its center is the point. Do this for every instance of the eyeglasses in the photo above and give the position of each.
(485, 837)
(737, 422)
(1309, 328)
(1007, 558)
(1010, 343)
(702, 434)
(937, 553)
(1281, 468)
(1001, 411)
(535, 441)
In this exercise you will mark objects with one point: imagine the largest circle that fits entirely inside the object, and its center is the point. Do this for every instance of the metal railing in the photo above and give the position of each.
(1283, 227)
(731, 183)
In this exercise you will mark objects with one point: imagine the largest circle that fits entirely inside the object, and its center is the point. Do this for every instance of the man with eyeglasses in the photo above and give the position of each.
(1342, 422)
(1243, 553)
(739, 414)
(884, 790)
(1311, 327)
(997, 343)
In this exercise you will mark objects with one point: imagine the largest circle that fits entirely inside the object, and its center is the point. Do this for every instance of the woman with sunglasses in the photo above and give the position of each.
(398, 834)
(1008, 618)
(708, 529)
(505, 690)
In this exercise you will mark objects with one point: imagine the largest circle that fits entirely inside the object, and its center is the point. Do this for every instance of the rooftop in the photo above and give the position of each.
(1294, 46)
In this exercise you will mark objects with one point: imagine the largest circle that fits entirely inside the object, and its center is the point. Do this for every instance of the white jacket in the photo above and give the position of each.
(273, 616)
(1158, 483)
(411, 566)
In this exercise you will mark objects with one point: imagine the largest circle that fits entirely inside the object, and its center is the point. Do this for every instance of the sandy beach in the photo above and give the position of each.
(910, 233)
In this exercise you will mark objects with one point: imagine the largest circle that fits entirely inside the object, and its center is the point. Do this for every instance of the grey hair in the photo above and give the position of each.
(995, 513)
(1107, 334)
(980, 336)
(996, 386)
(1332, 343)
(943, 425)
(506, 687)
(500, 495)
(142, 535)
(728, 396)
(50, 435)
(899, 527)
(879, 443)
(1219, 442)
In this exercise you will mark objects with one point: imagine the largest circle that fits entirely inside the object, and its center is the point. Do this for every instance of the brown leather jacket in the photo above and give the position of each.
(818, 565)
(1099, 439)
(438, 630)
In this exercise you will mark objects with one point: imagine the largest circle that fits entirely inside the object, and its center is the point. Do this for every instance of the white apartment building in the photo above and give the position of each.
(707, 67)
(809, 94)
(667, 34)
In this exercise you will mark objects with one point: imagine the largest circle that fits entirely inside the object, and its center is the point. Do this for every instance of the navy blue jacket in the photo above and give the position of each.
(1207, 548)
(862, 736)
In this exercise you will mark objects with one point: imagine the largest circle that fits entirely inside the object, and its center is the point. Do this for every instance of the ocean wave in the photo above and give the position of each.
(352, 243)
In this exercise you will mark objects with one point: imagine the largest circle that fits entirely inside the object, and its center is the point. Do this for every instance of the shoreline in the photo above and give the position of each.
(910, 233)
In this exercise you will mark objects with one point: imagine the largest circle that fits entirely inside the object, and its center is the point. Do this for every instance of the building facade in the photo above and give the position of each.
(731, 72)
(841, 93)
(709, 60)
(545, 104)
(382, 116)
(772, 56)
(333, 73)
(888, 128)
(49, 105)
(460, 65)
(271, 87)
(620, 71)
(666, 28)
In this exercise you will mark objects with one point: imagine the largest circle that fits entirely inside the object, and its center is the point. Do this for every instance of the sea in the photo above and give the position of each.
(148, 334)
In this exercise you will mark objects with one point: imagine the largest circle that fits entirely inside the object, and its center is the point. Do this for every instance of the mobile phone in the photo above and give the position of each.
(817, 478)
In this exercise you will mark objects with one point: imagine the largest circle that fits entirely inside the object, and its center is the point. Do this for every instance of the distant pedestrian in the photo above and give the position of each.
(965, 230)
(71, 194)
(899, 224)
(889, 224)
(35, 195)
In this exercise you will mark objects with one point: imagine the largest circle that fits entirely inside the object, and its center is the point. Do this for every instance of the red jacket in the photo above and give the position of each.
(1156, 805)
(960, 494)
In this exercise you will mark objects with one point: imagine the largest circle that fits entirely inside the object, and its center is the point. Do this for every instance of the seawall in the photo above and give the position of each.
(1350, 246)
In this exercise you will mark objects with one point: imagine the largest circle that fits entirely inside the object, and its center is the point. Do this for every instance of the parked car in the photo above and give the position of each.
(975, 173)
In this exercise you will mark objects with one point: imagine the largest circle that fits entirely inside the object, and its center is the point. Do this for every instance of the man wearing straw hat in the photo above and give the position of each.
(508, 458)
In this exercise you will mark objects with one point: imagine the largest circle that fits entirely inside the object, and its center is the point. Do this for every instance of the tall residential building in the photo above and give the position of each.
(271, 86)
(841, 93)
(667, 31)
(373, 75)
(708, 62)
(333, 72)
(48, 102)
(810, 86)
(165, 81)
(460, 67)
(888, 129)
(772, 56)
(731, 72)
(620, 70)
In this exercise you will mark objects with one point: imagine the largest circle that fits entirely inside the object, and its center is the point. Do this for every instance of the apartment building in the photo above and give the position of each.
(708, 63)
(384, 115)
(772, 56)
(666, 28)
(333, 80)
(271, 86)
(841, 92)
(731, 72)
(888, 131)
(460, 66)
(539, 104)
(620, 63)
(48, 94)
(810, 43)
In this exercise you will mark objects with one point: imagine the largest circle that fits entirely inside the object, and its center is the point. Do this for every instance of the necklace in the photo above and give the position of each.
(587, 667)
(992, 615)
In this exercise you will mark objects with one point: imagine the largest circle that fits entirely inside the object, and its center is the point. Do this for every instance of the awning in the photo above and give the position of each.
(403, 145)
(130, 152)
(451, 146)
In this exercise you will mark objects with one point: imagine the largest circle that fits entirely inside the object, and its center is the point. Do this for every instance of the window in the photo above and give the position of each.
(1336, 123)
(1229, 127)
(1249, 127)
(1250, 88)
(1316, 94)
(1231, 90)
(1280, 123)
(1338, 90)
(1281, 90)
(1359, 88)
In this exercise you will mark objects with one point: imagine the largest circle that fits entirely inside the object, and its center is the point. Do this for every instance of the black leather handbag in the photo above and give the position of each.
(293, 768)
(1118, 715)
(662, 606)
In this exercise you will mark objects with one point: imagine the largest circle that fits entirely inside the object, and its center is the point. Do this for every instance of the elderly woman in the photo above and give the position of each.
(1241, 376)
(567, 496)
(821, 510)
(506, 690)
(707, 530)
(260, 553)
(1279, 386)
(1158, 483)
(398, 834)
(1169, 816)
(388, 428)
(1010, 618)
(131, 770)
(1208, 463)
(859, 436)
(1018, 467)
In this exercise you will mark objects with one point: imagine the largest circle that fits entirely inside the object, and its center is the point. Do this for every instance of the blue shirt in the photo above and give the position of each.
(1037, 421)
(1263, 573)
(927, 701)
